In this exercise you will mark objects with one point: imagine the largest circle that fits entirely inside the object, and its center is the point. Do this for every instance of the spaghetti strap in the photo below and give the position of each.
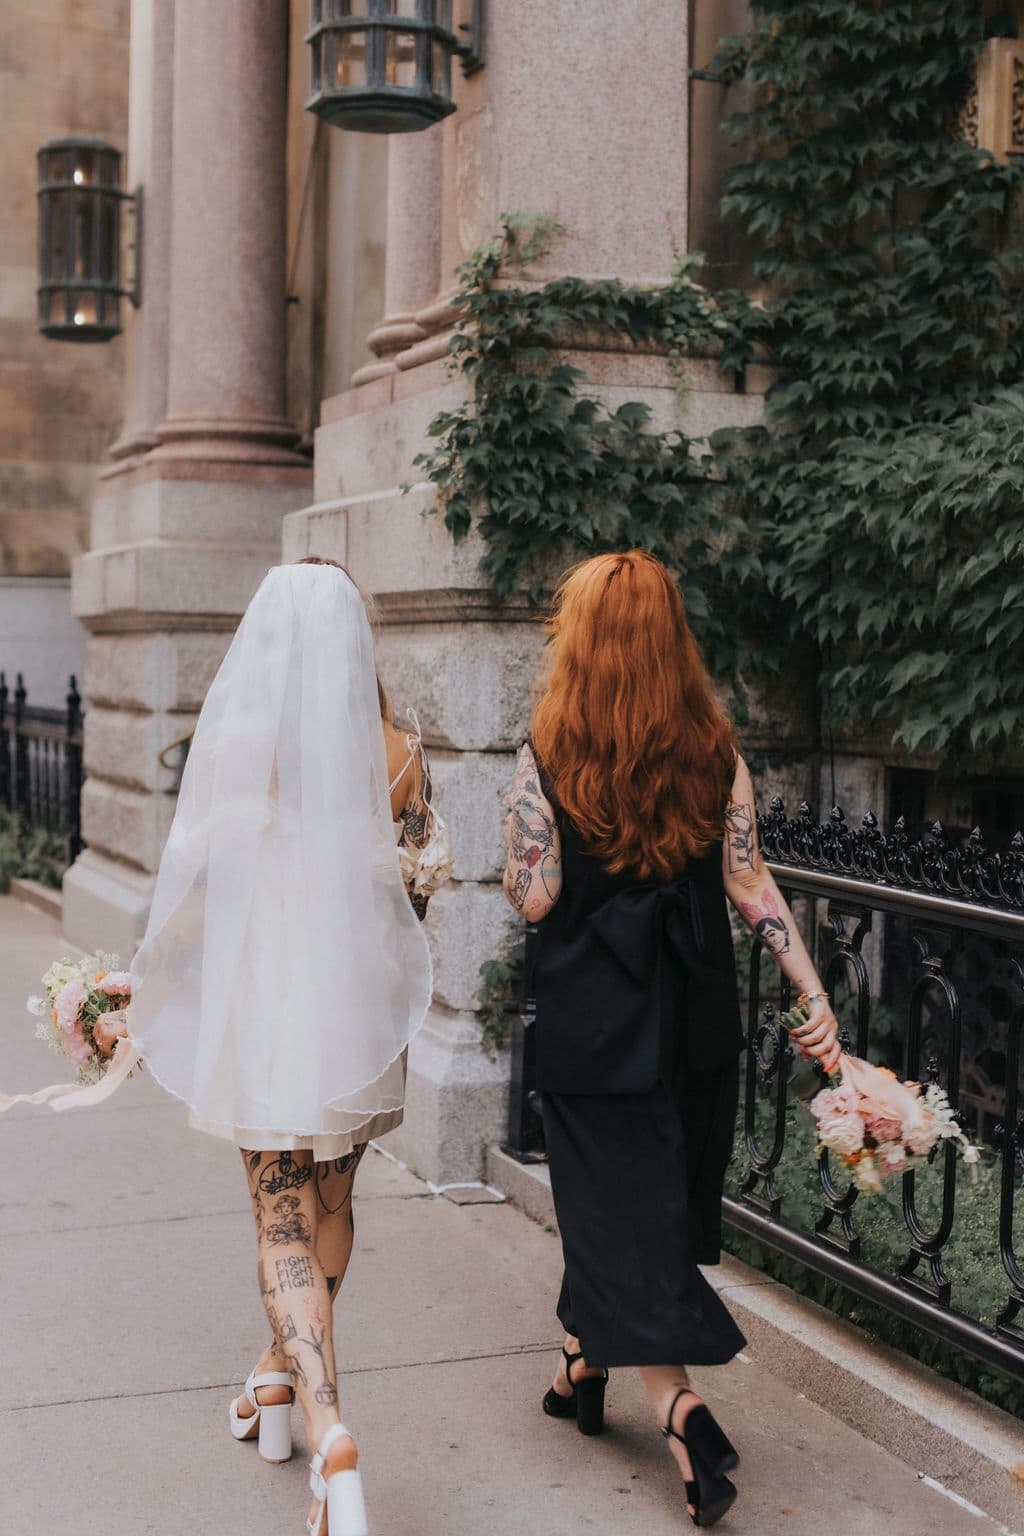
(414, 741)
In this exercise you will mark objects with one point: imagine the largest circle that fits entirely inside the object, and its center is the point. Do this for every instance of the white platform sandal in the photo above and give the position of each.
(341, 1493)
(271, 1421)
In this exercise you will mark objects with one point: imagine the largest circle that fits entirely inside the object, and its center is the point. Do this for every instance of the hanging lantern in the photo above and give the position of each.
(80, 200)
(385, 66)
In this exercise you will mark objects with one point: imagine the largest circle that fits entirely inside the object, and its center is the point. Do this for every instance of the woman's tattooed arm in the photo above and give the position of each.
(751, 888)
(533, 866)
(415, 822)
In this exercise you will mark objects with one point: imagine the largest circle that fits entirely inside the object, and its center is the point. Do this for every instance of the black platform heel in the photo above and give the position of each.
(712, 1455)
(586, 1402)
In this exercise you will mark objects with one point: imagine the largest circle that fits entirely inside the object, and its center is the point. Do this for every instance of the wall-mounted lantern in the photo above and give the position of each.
(80, 198)
(385, 66)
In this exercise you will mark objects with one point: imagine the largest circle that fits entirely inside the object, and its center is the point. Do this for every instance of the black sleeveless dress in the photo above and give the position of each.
(638, 1035)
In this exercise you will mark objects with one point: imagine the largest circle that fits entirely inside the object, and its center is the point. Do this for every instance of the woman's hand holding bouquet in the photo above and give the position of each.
(874, 1123)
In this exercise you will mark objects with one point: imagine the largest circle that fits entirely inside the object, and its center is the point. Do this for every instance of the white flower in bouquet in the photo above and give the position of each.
(841, 1133)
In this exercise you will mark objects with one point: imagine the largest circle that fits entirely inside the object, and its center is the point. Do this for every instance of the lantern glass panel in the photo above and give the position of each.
(85, 236)
(443, 14)
(341, 10)
(110, 170)
(55, 255)
(84, 167)
(400, 59)
(86, 308)
(57, 307)
(55, 167)
(441, 78)
(350, 61)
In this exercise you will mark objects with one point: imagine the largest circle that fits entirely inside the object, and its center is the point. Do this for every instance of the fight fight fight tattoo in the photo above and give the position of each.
(294, 1272)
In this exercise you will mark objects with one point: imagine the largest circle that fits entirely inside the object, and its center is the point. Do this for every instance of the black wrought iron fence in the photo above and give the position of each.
(921, 945)
(41, 763)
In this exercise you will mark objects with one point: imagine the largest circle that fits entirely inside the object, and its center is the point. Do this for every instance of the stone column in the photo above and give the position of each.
(225, 378)
(413, 269)
(183, 533)
(151, 66)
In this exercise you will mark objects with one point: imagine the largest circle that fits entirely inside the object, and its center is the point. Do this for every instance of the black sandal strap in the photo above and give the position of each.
(570, 1361)
(667, 1429)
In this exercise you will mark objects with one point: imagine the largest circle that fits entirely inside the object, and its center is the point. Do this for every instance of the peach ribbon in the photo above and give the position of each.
(126, 1057)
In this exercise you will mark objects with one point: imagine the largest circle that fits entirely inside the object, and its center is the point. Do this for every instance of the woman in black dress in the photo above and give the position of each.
(632, 820)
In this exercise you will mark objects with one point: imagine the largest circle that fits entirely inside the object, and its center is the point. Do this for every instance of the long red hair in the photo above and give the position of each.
(627, 728)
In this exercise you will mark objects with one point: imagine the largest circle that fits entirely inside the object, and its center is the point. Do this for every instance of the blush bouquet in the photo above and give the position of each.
(877, 1125)
(78, 994)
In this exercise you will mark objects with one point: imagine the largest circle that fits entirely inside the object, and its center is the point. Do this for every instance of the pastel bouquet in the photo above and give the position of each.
(877, 1125)
(78, 994)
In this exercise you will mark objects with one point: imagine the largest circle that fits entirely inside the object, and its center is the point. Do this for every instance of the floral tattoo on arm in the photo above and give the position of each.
(534, 847)
(740, 840)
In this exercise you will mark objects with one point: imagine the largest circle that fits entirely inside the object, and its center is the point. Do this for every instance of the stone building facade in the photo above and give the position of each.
(63, 70)
(279, 382)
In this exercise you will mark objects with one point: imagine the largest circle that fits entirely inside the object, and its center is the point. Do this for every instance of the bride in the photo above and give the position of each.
(284, 971)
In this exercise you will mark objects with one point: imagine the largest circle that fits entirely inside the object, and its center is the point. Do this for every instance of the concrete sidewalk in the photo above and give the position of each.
(131, 1314)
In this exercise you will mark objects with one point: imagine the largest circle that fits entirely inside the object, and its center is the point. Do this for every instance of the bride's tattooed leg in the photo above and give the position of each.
(336, 1226)
(287, 1190)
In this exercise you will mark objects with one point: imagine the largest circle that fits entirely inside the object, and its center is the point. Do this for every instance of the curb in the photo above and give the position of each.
(946, 1434)
(42, 897)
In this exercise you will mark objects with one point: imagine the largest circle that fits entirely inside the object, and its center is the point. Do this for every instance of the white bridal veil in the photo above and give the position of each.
(283, 971)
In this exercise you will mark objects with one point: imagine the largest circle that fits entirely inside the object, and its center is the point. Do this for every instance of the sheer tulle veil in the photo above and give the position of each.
(283, 971)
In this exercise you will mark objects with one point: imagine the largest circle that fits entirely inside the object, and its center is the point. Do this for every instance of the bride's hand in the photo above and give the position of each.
(819, 1037)
(107, 1031)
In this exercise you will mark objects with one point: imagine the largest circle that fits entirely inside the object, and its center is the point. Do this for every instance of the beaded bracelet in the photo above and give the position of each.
(811, 997)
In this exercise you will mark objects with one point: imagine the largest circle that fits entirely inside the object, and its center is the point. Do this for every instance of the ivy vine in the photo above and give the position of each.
(547, 473)
(885, 489)
(876, 514)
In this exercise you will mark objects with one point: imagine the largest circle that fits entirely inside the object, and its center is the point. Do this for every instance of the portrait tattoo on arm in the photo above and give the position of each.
(767, 923)
(739, 825)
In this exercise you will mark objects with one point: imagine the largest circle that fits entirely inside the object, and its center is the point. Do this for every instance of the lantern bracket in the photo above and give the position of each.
(471, 52)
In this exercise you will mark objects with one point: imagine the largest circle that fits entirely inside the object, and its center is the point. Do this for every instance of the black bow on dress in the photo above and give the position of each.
(634, 923)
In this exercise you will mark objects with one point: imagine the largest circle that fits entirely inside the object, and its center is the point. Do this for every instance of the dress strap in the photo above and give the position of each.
(414, 742)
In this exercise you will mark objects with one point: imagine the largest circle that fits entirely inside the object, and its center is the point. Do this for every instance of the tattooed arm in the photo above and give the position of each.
(415, 821)
(753, 892)
(533, 867)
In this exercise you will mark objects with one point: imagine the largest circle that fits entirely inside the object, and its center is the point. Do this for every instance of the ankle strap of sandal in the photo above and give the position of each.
(259, 1379)
(667, 1428)
(570, 1361)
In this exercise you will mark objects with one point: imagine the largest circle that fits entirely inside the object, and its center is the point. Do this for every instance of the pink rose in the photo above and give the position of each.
(76, 1047)
(69, 1002)
(116, 984)
(882, 1096)
(884, 1130)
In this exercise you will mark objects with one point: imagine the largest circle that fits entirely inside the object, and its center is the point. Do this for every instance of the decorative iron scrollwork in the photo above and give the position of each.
(967, 871)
